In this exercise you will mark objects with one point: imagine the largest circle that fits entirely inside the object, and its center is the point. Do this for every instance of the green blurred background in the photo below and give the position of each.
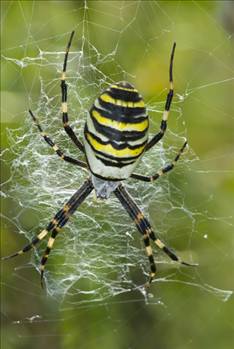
(142, 33)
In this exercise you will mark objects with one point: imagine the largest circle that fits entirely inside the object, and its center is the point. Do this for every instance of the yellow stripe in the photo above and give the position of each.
(42, 234)
(106, 98)
(165, 115)
(124, 88)
(139, 126)
(64, 107)
(66, 208)
(108, 149)
(55, 147)
(139, 217)
(159, 243)
(50, 242)
(149, 251)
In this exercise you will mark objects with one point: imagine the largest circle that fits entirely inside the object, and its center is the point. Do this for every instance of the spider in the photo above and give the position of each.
(115, 139)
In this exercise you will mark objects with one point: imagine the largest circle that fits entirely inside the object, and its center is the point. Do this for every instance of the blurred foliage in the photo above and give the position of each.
(143, 32)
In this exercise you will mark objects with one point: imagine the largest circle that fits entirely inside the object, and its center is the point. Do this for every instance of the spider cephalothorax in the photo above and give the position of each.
(115, 138)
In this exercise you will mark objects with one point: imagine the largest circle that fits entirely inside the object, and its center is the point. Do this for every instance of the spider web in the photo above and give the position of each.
(99, 254)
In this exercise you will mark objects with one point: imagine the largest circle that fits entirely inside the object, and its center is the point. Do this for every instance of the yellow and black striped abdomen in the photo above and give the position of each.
(116, 132)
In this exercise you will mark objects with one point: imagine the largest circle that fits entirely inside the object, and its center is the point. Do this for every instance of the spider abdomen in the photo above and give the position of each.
(116, 132)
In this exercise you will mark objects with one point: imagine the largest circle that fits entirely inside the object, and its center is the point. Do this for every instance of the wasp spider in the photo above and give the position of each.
(115, 139)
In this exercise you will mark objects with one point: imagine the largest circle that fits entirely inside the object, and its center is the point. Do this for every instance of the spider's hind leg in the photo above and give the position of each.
(48, 249)
(136, 215)
(29, 246)
(145, 229)
(59, 220)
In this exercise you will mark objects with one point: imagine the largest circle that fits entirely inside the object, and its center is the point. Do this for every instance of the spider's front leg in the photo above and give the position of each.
(163, 170)
(66, 125)
(54, 146)
(145, 229)
(163, 126)
(56, 224)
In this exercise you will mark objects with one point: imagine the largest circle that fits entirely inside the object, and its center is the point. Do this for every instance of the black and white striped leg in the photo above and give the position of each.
(162, 171)
(144, 228)
(66, 125)
(59, 220)
(163, 126)
(149, 253)
(48, 249)
(35, 240)
(120, 194)
(54, 146)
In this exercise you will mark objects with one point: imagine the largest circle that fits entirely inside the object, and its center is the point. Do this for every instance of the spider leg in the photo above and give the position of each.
(163, 126)
(59, 220)
(145, 229)
(54, 146)
(48, 249)
(29, 246)
(62, 217)
(163, 170)
(131, 209)
(66, 125)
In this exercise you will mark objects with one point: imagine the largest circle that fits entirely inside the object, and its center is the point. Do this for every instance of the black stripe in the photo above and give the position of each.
(63, 221)
(48, 249)
(146, 241)
(28, 247)
(143, 224)
(163, 126)
(141, 177)
(74, 161)
(127, 96)
(67, 51)
(38, 126)
(117, 116)
(50, 226)
(116, 135)
(152, 236)
(111, 156)
(167, 168)
(71, 133)
(49, 141)
(106, 178)
(118, 109)
(114, 164)
(170, 253)
(64, 91)
(153, 266)
(43, 260)
(169, 100)
(118, 146)
(59, 215)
